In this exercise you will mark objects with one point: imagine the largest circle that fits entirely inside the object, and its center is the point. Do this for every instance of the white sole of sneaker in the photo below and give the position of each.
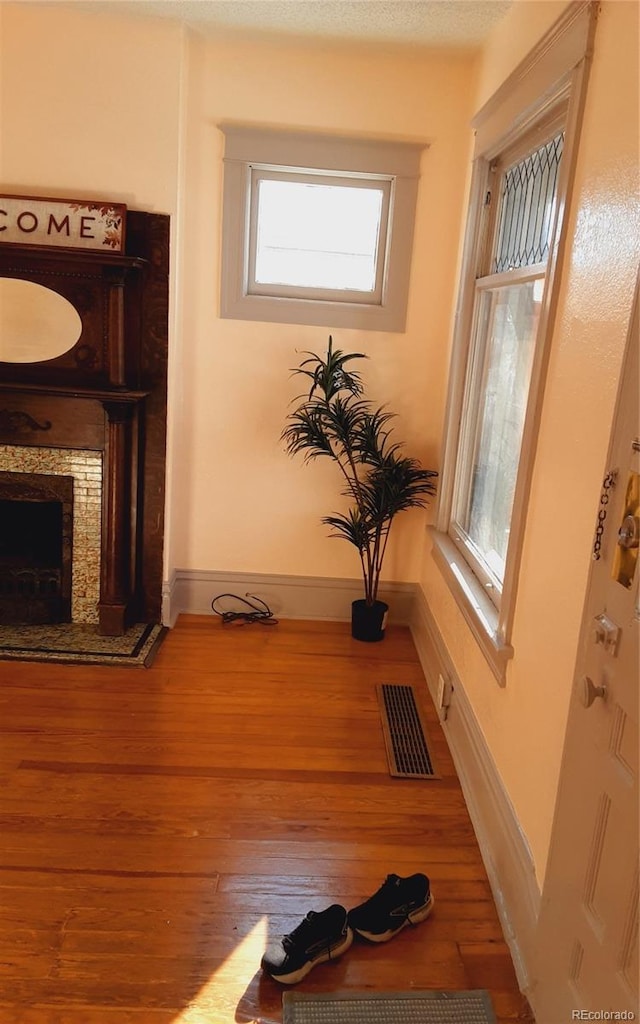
(421, 914)
(331, 954)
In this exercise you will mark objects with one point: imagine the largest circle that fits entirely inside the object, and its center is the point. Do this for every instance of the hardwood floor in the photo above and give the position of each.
(157, 825)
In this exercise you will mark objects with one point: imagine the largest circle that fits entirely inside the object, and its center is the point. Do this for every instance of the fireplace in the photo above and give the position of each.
(82, 432)
(72, 478)
(36, 531)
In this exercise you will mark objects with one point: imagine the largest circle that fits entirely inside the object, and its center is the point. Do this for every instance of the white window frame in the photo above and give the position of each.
(548, 87)
(489, 280)
(377, 182)
(252, 154)
(474, 394)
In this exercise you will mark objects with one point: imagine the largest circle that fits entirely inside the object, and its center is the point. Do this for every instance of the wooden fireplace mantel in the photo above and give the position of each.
(106, 393)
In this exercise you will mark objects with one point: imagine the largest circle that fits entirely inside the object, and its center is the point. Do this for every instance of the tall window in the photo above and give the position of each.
(508, 297)
(525, 149)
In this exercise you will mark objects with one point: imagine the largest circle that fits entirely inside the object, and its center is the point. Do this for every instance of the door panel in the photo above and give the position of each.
(588, 930)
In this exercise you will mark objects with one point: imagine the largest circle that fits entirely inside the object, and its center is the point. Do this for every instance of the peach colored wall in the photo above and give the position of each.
(89, 103)
(511, 40)
(91, 106)
(106, 105)
(524, 723)
(251, 508)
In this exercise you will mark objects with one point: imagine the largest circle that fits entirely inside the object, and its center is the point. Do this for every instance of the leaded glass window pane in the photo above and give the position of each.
(527, 206)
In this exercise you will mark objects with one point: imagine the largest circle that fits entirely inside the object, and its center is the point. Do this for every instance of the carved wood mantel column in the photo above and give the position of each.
(118, 501)
(116, 368)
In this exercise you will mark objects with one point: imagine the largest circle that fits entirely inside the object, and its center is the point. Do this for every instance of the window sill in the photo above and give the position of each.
(313, 312)
(478, 610)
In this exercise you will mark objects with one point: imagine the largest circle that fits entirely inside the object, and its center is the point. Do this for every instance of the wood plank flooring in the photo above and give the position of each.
(158, 825)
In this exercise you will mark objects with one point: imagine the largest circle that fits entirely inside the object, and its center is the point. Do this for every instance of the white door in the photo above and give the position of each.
(588, 930)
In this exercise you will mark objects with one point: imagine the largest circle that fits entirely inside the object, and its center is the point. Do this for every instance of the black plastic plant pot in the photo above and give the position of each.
(368, 621)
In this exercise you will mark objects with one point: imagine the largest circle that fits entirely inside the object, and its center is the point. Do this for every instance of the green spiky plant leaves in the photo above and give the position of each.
(334, 421)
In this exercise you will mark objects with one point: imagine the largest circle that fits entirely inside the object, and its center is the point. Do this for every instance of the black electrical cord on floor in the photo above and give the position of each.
(244, 618)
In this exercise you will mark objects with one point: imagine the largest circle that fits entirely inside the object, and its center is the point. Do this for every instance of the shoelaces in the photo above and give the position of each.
(298, 932)
(385, 891)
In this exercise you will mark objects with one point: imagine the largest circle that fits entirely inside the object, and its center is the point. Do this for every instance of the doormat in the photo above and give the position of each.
(471, 1007)
(81, 644)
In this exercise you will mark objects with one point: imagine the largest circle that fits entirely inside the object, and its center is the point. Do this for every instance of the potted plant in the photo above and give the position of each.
(336, 422)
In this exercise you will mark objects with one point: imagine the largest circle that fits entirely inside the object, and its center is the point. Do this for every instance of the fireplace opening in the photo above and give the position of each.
(36, 514)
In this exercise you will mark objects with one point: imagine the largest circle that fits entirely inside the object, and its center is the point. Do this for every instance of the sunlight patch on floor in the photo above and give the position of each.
(217, 1000)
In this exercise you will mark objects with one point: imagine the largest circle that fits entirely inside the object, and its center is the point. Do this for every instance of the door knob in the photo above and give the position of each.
(590, 691)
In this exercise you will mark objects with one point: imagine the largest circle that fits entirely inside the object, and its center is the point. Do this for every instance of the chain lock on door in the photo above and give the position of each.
(608, 482)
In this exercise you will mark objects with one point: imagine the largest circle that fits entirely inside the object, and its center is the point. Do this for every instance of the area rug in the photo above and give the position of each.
(82, 644)
(471, 1007)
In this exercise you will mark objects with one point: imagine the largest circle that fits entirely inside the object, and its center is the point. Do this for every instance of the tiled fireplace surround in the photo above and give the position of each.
(85, 467)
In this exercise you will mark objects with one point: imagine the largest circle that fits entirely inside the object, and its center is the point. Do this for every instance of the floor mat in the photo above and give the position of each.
(471, 1007)
(80, 643)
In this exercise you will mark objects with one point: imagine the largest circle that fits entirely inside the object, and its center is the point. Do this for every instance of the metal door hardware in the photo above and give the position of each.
(590, 691)
(625, 556)
(629, 532)
(606, 633)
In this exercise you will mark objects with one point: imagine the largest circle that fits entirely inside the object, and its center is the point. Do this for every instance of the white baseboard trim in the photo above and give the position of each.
(503, 845)
(191, 591)
(170, 610)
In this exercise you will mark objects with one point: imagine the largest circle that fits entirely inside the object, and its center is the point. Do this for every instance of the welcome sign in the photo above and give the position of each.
(66, 223)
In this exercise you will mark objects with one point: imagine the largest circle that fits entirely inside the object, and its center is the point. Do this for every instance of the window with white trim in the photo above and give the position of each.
(520, 212)
(525, 150)
(317, 229)
(317, 236)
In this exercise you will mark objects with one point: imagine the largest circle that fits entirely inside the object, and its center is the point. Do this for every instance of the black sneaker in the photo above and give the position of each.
(397, 903)
(319, 937)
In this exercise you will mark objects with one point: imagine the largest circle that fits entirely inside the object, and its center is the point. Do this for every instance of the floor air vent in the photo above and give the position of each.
(404, 734)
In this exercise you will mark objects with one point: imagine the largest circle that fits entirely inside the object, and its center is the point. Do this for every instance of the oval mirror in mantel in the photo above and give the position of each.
(35, 322)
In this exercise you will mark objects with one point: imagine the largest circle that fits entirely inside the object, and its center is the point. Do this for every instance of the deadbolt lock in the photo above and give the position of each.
(629, 532)
(625, 557)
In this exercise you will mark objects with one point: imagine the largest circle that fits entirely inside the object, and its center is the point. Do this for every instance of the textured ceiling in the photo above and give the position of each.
(427, 23)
